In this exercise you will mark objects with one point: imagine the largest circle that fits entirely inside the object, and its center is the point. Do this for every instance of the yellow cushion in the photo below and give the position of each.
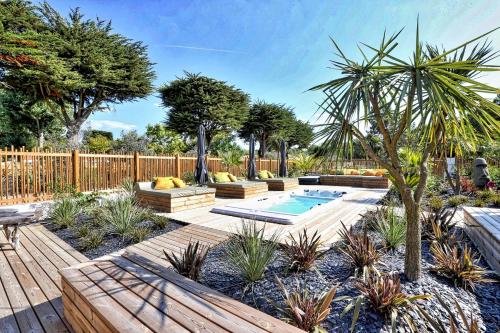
(348, 171)
(263, 174)
(354, 173)
(232, 177)
(369, 173)
(222, 177)
(270, 174)
(178, 182)
(164, 183)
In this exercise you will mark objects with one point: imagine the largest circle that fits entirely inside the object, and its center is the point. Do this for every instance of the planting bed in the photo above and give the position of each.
(332, 269)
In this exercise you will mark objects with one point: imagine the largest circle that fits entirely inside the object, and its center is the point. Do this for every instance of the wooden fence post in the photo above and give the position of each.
(75, 159)
(136, 167)
(177, 166)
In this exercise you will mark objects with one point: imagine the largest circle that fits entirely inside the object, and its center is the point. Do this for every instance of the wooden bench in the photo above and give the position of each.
(482, 225)
(135, 291)
(280, 184)
(174, 200)
(355, 181)
(239, 190)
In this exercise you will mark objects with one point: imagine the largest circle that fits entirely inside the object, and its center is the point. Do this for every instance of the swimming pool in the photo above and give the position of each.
(286, 209)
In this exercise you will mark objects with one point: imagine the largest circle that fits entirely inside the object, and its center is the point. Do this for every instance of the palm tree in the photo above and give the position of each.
(433, 95)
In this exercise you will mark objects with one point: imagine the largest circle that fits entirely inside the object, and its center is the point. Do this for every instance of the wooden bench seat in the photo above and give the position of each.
(174, 200)
(239, 190)
(280, 184)
(482, 225)
(134, 291)
(355, 181)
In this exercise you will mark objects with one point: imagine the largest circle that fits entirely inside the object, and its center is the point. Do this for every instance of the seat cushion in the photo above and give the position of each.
(178, 182)
(164, 183)
(222, 177)
(263, 174)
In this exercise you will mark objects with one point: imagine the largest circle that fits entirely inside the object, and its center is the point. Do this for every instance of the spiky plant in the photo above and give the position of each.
(93, 240)
(392, 228)
(121, 215)
(458, 265)
(249, 252)
(138, 234)
(189, 261)
(359, 250)
(438, 225)
(457, 200)
(303, 309)
(64, 212)
(303, 253)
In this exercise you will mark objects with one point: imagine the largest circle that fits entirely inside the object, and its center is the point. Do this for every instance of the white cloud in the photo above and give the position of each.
(110, 125)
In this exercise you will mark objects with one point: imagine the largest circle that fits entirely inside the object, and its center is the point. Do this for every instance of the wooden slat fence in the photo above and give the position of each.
(28, 176)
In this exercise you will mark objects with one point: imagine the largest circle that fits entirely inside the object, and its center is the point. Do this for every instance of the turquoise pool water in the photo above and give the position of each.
(296, 205)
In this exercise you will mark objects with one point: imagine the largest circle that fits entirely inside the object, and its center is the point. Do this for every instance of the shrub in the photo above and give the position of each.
(467, 185)
(479, 203)
(64, 212)
(127, 187)
(371, 217)
(495, 201)
(361, 253)
(82, 231)
(458, 265)
(92, 241)
(121, 215)
(189, 261)
(159, 221)
(304, 251)
(188, 177)
(437, 226)
(457, 200)
(303, 309)
(436, 203)
(250, 253)
(392, 228)
(485, 195)
(138, 234)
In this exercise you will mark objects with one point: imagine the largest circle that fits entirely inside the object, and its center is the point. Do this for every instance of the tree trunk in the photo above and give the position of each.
(262, 147)
(73, 135)
(41, 140)
(413, 249)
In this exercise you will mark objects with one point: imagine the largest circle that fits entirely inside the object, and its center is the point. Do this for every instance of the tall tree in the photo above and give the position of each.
(434, 94)
(301, 136)
(131, 141)
(80, 65)
(267, 121)
(195, 100)
(164, 141)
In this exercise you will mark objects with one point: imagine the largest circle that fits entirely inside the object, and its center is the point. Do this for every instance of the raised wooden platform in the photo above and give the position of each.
(355, 181)
(241, 190)
(135, 291)
(30, 286)
(280, 184)
(482, 225)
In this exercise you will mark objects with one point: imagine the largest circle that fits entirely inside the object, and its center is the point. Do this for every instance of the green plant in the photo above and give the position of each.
(138, 234)
(304, 162)
(231, 157)
(83, 230)
(127, 187)
(249, 252)
(485, 195)
(188, 177)
(371, 217)
(436, 203)
(121, 215)
(438, 225)
(303, 309)
(359, 250)
(64, 212)
(159, 221)
(392, 228)
(479, 203)
(303, 252)
(189, 261)
(457, 200)
(495, 201)
(92, 241)
(458, 265)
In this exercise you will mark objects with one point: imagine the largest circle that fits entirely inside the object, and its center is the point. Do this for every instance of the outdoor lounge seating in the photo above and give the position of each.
(239, 190)
(175, 199)
(355, 181)
(280, 184)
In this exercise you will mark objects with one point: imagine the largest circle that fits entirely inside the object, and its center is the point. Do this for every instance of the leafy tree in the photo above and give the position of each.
(79, 65)
(99, 144)
(131, 141)
(224, 142)
(302, 135)
(195, 100)
(91, 133)
(435, 93)
(164, 141)
(268, 122)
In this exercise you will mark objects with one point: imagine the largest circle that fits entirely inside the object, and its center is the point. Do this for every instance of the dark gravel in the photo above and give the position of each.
(332, 270)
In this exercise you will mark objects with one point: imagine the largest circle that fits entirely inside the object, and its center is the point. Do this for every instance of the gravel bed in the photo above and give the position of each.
(110, 243)
(332, 270)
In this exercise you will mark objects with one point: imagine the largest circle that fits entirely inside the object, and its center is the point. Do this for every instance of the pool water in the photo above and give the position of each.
(296, 205)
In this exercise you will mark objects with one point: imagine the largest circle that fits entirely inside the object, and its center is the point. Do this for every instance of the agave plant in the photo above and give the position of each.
(189, 261)
(359, 250)
(458, 265)
(304, 309)
(392, 228)
(64, 212)
(303, 252)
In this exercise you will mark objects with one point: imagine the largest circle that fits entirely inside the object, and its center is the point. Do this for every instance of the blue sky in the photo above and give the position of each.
(273, 50)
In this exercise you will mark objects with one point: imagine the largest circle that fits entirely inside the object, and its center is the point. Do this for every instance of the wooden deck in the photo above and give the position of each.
(134, 291)
(30, 285)
(347, 210)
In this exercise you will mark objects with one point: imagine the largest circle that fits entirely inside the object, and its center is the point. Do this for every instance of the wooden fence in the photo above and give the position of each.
(28, 176)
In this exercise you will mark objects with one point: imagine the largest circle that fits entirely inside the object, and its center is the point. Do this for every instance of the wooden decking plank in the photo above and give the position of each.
(45, 249)
(8, 322)
(159, 298)
(25, 316)
(146, 313)
(62, 244)
(204, 232)
(239, 309)
(192, 234)
(47, 315)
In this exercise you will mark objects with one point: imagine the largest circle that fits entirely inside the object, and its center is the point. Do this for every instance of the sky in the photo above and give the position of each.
(274, 50)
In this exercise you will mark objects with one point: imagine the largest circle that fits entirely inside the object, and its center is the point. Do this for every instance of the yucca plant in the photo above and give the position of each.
(303, 309)
(360, 251)
(121, 215)
(230, 158)
(458, 265)
(303, 253)
(371, 217)
(392, 228)
(304, 162)
(250, 253)
(64, 212)
(189, 261)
